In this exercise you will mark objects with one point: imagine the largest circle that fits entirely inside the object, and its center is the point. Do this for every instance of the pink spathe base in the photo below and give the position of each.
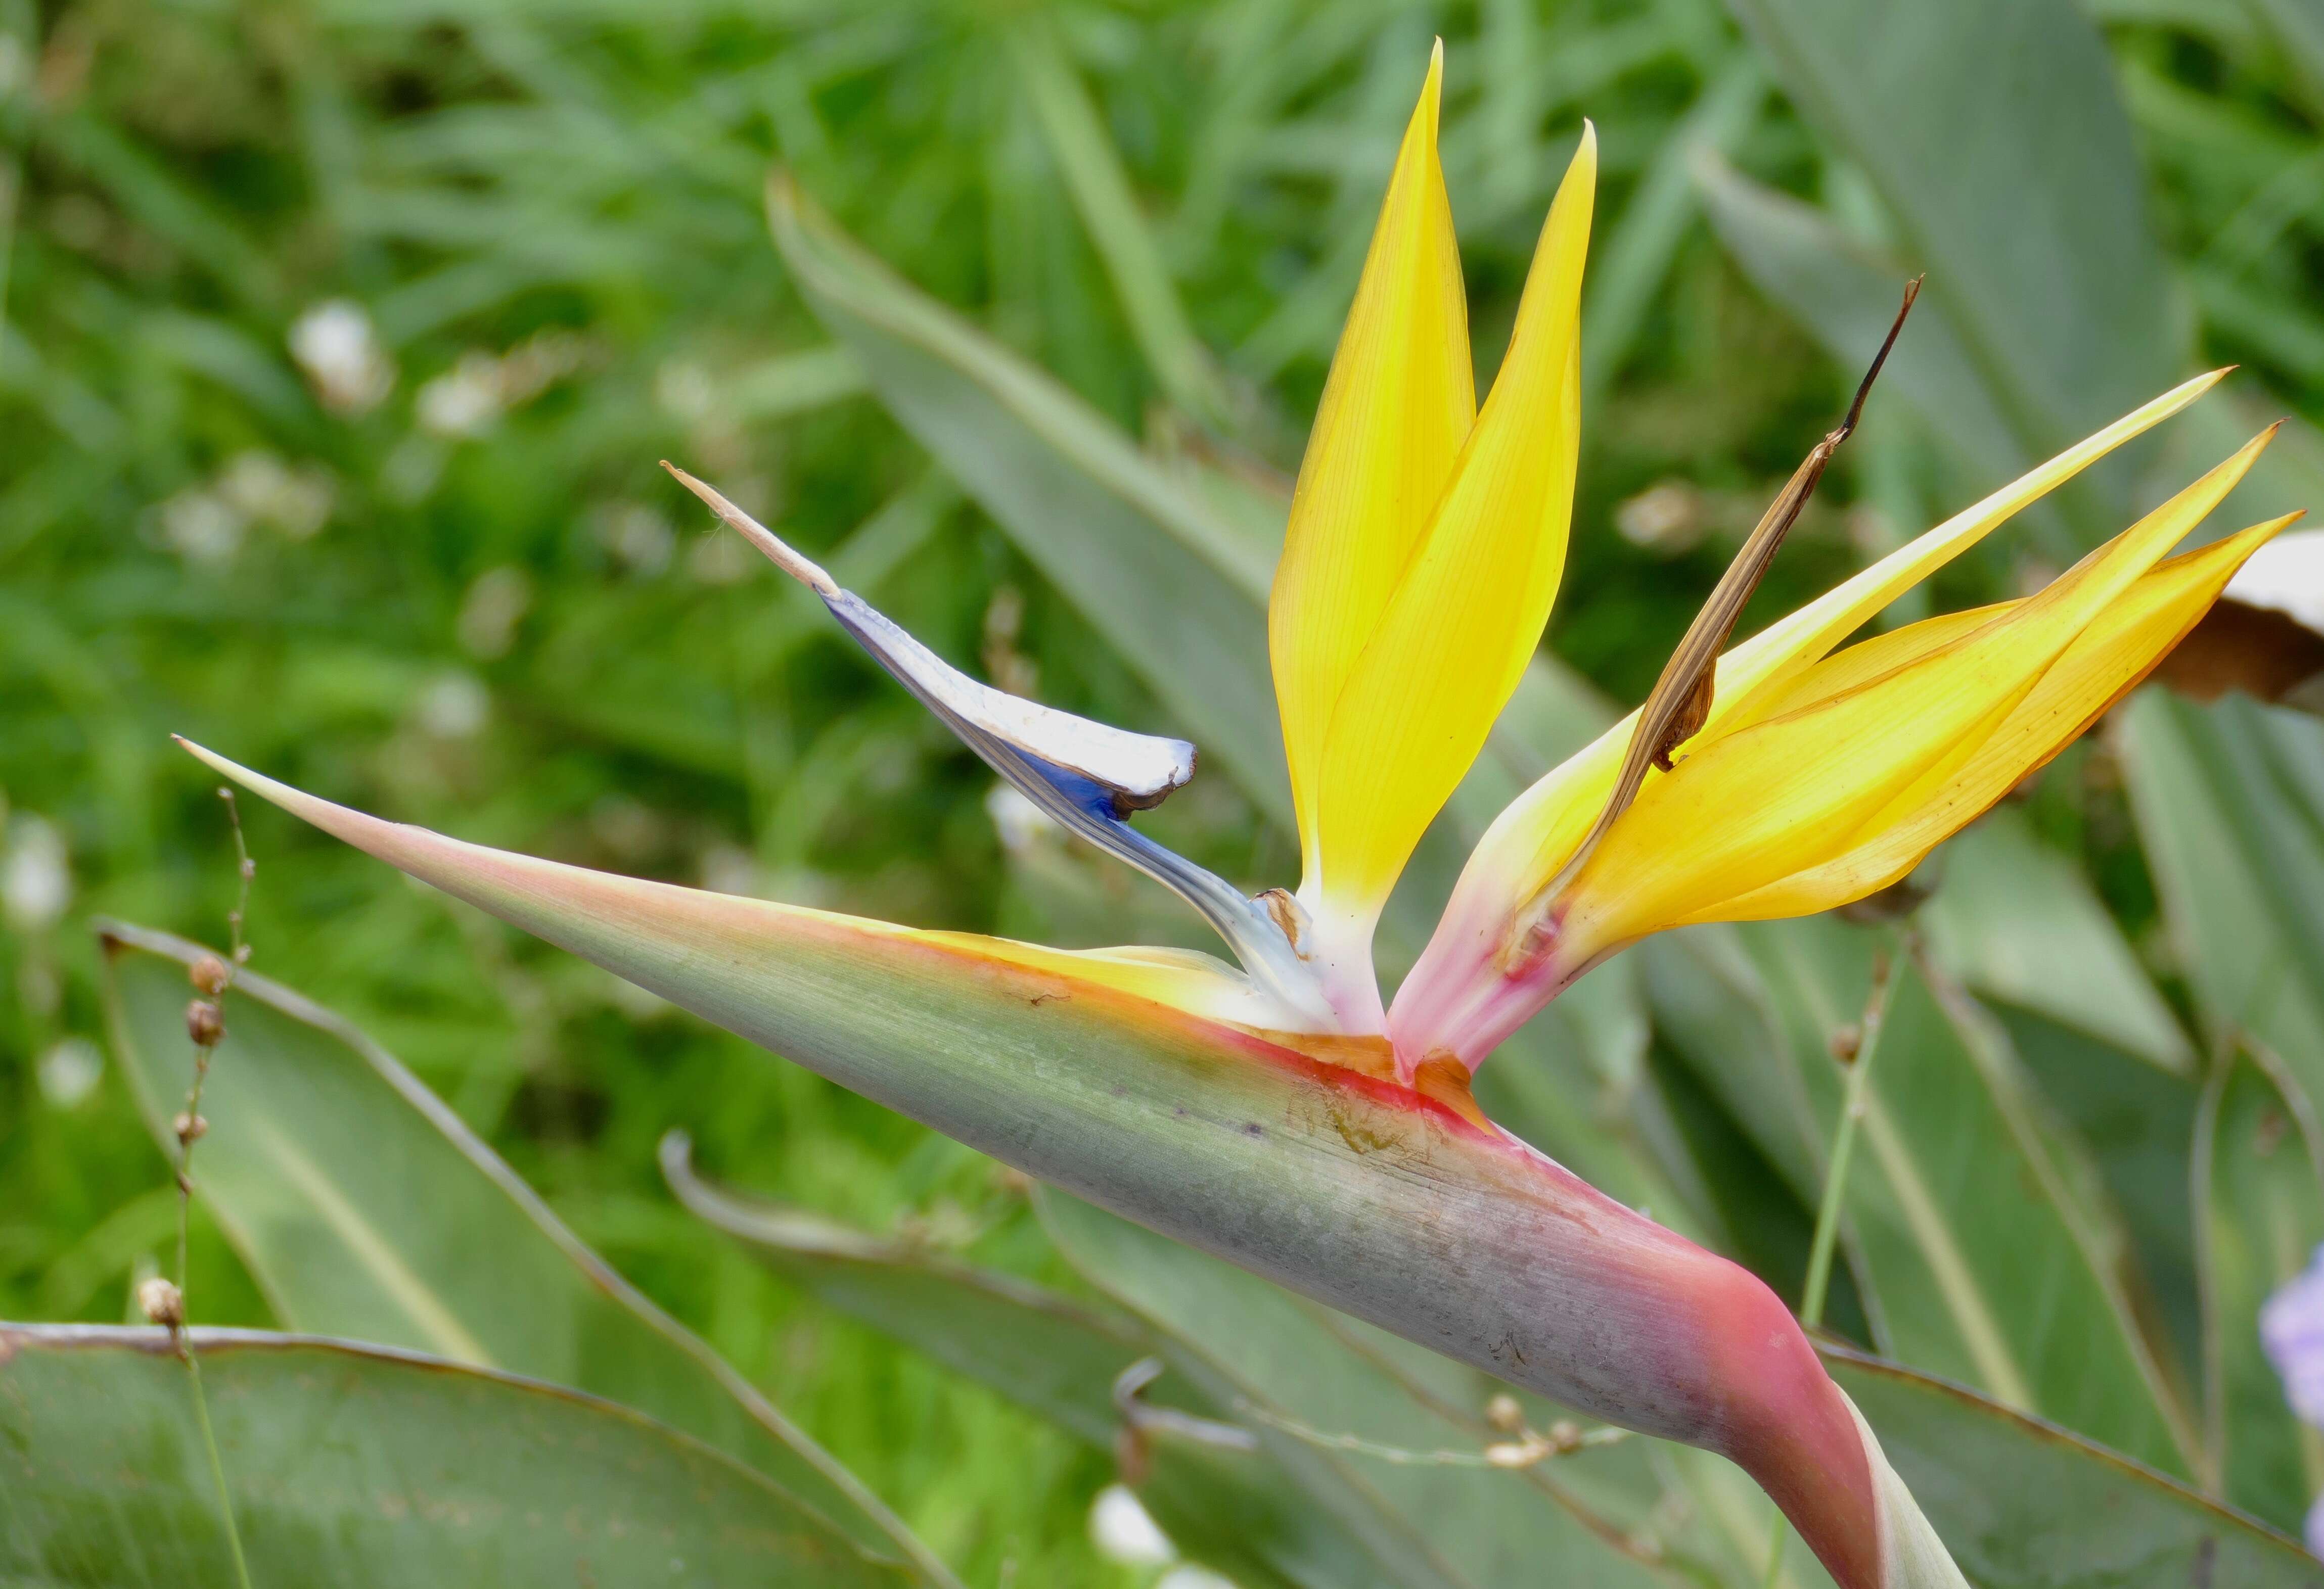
(1463, 997)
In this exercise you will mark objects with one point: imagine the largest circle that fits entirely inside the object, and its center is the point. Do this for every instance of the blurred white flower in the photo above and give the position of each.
(535, 364)
(1124, 1531)
(15, 66)
(260, 486)
(69, 1072)
(1020, 823)
(684, 389)
(334, 343)
(469, 399)
(729, 868)
(491, 610)
(639, 537)
(2286, 575)
(721, 559)
(1667, 517)
(1187, 1576)
(35, 879)
(202, 526)
(464, 401)
(454, 706)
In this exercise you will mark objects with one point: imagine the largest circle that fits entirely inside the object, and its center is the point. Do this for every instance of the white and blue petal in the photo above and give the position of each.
(1088, 777)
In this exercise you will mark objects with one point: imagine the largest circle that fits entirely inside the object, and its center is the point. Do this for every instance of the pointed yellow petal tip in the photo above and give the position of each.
(1828, 775)
(1397, 407)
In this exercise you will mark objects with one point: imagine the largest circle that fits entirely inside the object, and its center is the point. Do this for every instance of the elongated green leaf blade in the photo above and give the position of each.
(1844, 293)
(2230, 801)
(1235, 1507)
(1977, 1245)
(1994, 135)
(1994, 131)
(359, 1467)
(1051, 1354)
(2024, 1504)
(1094, 175)
(2019, 923)
(1333, 1377)
(2261, 1206)
(365, 1210)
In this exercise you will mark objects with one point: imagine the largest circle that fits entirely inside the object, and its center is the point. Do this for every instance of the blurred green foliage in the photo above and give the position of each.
(414, 553)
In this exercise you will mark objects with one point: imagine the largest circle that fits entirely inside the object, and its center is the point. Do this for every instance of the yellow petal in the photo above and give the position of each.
(1531, 840)
(1804, 636)
(1181, 979)
(1467, 613)
(1780, 796)
(2105, 661)
(1398, 403)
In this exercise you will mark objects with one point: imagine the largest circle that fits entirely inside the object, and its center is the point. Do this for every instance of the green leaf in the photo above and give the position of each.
(1238, 1510)
(1993, 131)
(1053, 1354)
(1332, 1376)
(2298, 28)
(1639, 251)
(2229, 800)
(2260, 1213)
(364, 1208)
(2024, 1504)
(360, 1466)
(2018, 921)
(1978, 1236)
(1094, 175)
(1844, 292)
(1993, 135)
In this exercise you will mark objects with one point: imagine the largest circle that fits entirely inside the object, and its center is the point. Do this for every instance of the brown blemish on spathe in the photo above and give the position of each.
(1284, 912)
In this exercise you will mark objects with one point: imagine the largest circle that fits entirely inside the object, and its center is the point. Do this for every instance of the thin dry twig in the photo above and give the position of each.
(164, 1301)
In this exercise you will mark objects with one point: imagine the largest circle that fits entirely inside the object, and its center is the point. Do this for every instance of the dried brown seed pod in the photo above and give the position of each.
(160, 1303)
(190, 1127)
(1846, 1042)
(205, 1023)
(208, 974)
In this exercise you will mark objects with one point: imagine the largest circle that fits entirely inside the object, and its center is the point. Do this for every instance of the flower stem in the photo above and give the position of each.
(1843, 1143)
(1860, 1046)
(190, 1129)
(217, 1463)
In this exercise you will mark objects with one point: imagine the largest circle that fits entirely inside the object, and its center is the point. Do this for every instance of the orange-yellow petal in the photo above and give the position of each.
(1774, 797)
(2107, 659)
(1531, 840)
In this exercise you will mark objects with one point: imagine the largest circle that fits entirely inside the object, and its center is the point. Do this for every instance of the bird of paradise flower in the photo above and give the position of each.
(1279, 1111)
